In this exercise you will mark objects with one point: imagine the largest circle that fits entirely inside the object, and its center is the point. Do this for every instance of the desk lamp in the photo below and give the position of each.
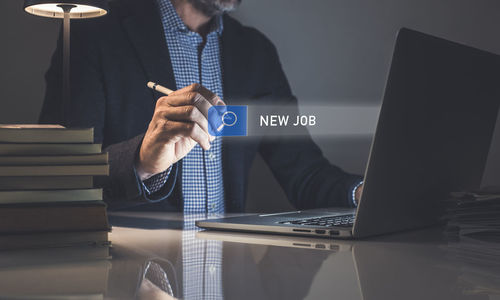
(66, 10)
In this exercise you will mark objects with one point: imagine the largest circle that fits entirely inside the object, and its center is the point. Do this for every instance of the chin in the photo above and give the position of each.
(227, 5)
(215, 7)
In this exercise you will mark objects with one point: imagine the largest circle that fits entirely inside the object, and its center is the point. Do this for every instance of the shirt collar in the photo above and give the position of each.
(172, 21)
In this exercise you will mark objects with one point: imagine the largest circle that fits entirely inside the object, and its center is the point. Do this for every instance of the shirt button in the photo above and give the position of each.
(211, 155)
(212, 206)
(211, 269)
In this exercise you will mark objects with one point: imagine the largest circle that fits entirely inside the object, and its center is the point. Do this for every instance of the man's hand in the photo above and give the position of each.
(178, 124)
(150, 291)
(358, 193)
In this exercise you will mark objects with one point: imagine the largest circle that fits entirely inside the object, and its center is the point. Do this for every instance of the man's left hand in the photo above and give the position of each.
(358, 193)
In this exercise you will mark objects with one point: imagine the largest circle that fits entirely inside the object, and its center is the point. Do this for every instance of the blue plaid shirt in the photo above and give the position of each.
(194, 61)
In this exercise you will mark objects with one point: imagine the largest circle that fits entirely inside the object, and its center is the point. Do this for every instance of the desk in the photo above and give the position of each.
(414, 265)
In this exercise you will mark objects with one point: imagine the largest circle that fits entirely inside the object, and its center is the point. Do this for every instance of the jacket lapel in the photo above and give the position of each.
(238, 153)
(141, 20)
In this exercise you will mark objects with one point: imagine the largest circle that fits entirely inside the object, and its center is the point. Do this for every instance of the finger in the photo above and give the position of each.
(190, 130)
(188, 113)
(192, 99)
(211, 97)
(188, 98)
(200, 136)
(214, 120)
(190, 88)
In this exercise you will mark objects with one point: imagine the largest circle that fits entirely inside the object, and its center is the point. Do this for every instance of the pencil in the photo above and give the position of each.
(156, 87)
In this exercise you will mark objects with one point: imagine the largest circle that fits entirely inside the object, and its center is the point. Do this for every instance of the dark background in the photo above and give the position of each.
(335, 53)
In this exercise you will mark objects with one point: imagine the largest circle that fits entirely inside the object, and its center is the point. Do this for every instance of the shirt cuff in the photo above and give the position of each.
(156, 182)
(353, 193)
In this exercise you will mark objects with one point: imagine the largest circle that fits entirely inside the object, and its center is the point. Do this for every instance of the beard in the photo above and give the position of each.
(215, 7)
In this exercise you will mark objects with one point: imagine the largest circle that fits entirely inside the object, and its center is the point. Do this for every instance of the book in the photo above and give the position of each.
(52, 240)
(53, 217)
(86, 279)
(473, 213)
(53, 297)
(46, 182)
(14, 258)
(54, 170)
(49, 149)
(28, 126)
(55, 160)
(35, 133)
(50, 196)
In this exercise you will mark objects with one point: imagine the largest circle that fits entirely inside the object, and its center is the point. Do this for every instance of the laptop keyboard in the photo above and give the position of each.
(330, 221)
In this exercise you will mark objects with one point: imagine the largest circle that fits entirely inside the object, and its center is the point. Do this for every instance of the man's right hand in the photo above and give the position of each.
(179, 123)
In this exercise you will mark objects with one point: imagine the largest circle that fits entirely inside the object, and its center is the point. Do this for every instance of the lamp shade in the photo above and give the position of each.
(82, 9)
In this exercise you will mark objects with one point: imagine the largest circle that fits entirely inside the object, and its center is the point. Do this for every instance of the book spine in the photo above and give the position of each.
(50, 219)
(49, 149)
(47, 196)
(49, 136)
(54, 170)
(45, 182)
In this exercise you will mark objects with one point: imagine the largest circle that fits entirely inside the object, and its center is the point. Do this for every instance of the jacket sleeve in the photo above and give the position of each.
(307, 177)
(87, 108)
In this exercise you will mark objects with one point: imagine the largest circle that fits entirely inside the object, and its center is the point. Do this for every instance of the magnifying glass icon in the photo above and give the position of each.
(228, 118)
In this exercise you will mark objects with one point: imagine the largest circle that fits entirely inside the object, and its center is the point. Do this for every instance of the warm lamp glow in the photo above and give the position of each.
(52, 10)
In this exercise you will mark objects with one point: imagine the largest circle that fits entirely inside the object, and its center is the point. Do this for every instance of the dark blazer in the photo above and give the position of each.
(113, 57)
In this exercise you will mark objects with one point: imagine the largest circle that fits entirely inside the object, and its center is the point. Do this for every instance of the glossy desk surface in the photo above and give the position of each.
(413, 265)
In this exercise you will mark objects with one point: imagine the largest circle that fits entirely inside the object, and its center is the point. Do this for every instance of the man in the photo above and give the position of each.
(161, 154)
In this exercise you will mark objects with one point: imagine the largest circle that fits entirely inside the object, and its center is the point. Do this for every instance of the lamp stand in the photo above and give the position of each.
(66, 92)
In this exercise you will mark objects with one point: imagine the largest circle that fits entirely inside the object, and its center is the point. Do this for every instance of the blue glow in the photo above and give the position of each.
(230, 120)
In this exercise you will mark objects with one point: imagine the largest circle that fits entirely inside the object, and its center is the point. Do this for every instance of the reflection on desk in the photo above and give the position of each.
(163, 256)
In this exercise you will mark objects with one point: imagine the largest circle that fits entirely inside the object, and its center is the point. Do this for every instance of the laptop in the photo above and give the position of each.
(433, 136)
(301, 242)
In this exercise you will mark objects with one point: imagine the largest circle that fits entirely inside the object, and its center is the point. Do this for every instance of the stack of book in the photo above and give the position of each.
(470, 213)
(47, 198)
(473, 232)
(477, 257)
(75, 273)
